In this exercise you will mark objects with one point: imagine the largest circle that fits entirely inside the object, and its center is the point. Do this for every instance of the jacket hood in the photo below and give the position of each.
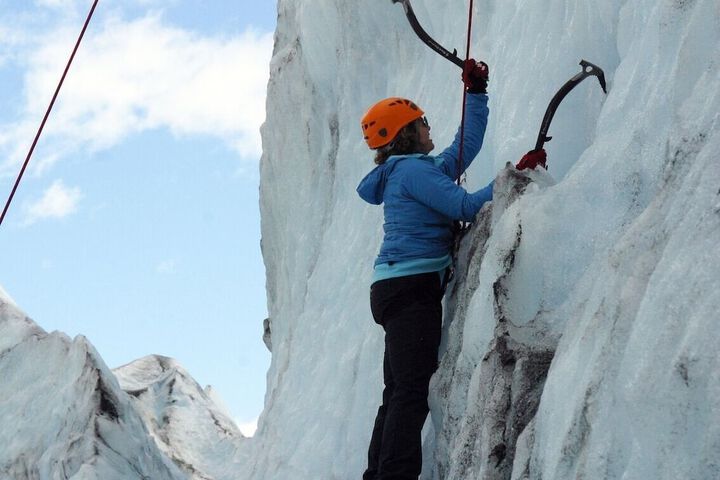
(372, 187)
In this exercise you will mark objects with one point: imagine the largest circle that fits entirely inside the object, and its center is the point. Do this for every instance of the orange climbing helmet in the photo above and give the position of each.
(386, 118)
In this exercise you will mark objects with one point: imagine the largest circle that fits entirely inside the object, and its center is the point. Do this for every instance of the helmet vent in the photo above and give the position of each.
(382, 122)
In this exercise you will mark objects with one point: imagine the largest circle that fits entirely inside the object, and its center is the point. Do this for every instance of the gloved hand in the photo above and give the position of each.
(475, 76)
(532, 159)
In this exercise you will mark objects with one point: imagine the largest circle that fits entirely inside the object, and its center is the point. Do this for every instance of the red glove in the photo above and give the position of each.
(532, 159)
(475, 76)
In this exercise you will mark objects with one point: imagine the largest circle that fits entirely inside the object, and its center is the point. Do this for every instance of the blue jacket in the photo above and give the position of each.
(420, 195)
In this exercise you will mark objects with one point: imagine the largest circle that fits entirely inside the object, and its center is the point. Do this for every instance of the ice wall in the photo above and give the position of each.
(609, 272)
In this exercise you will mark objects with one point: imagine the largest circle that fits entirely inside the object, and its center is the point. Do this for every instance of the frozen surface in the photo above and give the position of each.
(65, 415)
(589, 297)
(580, 336)
(185, 422)
(62, 412)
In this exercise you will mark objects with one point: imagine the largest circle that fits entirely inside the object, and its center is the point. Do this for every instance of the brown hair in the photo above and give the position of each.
(405, 142)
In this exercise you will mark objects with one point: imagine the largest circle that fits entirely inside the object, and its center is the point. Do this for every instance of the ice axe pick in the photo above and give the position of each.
(588, 69)
(427, 39)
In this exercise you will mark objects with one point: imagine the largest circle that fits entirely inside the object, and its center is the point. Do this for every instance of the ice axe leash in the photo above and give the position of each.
(588, 69)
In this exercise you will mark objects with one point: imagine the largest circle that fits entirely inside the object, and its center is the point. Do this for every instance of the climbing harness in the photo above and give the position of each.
(588, 70)
(47, 113)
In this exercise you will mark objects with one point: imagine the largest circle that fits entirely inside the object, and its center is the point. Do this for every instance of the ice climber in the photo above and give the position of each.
(421, 201)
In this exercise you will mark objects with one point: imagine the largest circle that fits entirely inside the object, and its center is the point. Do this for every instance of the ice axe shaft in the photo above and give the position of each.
(588, 69)
(427, 39)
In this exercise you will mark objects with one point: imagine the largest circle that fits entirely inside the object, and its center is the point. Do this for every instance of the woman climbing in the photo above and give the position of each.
(421, 201)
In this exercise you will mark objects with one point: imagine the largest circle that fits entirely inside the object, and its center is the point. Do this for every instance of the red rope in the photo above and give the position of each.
(47, 113)
(462, 119)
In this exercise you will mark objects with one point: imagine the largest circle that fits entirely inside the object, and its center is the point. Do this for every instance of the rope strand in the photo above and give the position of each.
(462, 119)
(47, 114)
(459, 226)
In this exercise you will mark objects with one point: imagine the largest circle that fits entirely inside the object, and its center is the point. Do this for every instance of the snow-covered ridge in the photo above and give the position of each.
(64, 414)
(578, 342)
(183, 420)
(581, 333)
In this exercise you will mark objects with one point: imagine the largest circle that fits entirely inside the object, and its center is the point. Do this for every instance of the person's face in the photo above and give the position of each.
(426, 143)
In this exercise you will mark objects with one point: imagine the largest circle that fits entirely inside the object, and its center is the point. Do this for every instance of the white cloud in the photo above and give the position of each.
(166, 267)
(131, 76)
(58, 201)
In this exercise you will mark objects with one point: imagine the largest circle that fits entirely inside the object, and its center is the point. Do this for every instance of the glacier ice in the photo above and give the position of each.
(580, 335)
(582, 299)
(65, 414)
(62, 412)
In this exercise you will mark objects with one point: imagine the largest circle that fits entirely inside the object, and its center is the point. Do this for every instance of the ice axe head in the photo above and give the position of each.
(590, 69)
(427, 39)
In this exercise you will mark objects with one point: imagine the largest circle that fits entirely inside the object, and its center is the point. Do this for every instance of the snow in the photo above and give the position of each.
(66, 415)
(607, 269)
(63, 413)
(183, 418)
(580, 335)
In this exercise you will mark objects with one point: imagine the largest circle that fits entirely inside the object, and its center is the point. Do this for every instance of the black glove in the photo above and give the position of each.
(475, 76)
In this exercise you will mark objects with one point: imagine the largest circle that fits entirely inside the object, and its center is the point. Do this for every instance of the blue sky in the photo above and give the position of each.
(137, 223)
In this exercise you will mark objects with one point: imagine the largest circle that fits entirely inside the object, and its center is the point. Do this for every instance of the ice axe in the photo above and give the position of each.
(588, 69)
(427, 39)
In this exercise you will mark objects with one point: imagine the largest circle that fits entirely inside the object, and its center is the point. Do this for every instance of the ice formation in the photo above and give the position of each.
(62, 412)
(65, 414)
(183, 418)
(580, 336)
(590, 300)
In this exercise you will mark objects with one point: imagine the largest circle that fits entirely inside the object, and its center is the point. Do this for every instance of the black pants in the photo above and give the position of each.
(410, 310)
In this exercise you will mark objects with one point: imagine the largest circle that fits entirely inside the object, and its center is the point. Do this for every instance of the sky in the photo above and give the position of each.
(137, 222)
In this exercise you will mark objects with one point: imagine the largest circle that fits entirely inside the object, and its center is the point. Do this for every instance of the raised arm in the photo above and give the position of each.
(437, 191)
(476, 115)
